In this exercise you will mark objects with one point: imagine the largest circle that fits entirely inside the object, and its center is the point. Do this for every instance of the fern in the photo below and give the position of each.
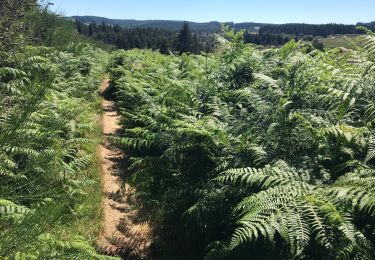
(10, 208)
(44, 151)
(371, 150)
(267, 153)
(264, 178)
(298, 211)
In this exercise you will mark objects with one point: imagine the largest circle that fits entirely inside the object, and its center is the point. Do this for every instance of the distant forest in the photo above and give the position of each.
(370, 26)
(164, 35)
(265, 38)
(209, 27)
(310, 29)
(145, 38)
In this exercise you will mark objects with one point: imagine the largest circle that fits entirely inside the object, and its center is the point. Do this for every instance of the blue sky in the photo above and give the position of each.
(272, 11)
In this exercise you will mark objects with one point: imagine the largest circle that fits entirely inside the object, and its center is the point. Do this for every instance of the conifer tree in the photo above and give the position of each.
(184, 40)
(163, 48)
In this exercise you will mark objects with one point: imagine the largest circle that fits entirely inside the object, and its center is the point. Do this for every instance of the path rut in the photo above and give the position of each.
(123, 232)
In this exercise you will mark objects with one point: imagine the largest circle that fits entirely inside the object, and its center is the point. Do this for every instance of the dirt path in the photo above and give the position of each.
(123, 233)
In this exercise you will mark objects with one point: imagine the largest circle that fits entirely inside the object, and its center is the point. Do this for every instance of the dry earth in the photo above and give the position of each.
(123, 231)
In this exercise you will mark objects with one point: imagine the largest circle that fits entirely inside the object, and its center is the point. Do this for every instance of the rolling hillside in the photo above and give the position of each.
(214, 26)
(209, 27)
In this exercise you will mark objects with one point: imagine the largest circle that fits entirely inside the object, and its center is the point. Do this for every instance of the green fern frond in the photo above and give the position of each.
(263, 178)
(9, 208)
(371, 150)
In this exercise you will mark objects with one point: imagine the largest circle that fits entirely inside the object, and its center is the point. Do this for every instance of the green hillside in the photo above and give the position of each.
(208, 27)
(240, 151)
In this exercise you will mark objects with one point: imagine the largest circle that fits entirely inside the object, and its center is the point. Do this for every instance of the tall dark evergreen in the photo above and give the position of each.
(163, 48)
(184, 40)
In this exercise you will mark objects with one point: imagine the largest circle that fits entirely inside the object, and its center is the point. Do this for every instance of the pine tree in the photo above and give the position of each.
(163, 48)
(184, 40)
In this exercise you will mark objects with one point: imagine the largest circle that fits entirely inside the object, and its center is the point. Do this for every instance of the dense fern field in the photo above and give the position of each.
(247, 152)
(241, 153)
(47, 148)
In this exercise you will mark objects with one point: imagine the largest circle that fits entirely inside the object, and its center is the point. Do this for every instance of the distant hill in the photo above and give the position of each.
(310, 29)
(298, 29)
(370, 25)
(208, 27)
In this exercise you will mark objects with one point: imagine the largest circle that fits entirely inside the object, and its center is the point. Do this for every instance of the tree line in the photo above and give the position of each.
(266, 38)
(370, 25)
(270, 39)
(148, 38)
(310, 29)
(165, 40)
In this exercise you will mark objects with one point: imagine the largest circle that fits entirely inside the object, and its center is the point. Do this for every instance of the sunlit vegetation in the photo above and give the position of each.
(49, 200)
(247, 152)
(48, 107)
(243, 152)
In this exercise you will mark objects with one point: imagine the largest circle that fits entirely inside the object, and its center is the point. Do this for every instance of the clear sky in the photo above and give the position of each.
(270, 11)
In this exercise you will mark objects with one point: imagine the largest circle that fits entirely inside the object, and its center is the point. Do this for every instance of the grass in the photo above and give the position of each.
(339, 41)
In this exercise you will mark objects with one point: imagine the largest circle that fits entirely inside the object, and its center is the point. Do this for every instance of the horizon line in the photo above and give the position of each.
(190, 21)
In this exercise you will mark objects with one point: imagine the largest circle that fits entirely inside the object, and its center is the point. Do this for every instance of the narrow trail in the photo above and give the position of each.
(123, 231)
